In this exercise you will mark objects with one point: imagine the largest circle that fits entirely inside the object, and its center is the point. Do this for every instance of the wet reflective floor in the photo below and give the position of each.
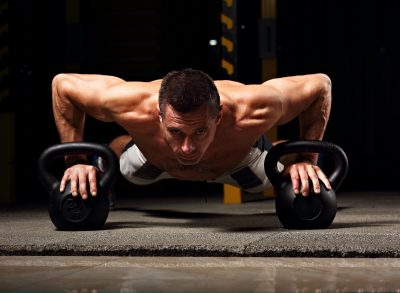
(197, 274)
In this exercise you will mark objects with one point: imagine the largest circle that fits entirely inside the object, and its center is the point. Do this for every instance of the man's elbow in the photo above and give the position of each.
(60, 84)
(324, 84)
(57, 78)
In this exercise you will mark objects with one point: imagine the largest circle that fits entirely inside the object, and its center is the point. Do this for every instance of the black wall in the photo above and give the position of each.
(357, 44)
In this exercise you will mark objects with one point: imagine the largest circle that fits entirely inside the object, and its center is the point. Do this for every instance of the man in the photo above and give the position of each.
(189, 127)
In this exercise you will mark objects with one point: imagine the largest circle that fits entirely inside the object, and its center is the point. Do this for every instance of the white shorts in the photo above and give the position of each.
(249, 175)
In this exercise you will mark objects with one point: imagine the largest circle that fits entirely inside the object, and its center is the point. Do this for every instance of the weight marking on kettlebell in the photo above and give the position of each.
(75, 210)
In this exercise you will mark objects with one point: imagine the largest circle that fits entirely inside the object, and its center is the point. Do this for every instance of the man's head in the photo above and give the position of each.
(190, 112)
(187, 90)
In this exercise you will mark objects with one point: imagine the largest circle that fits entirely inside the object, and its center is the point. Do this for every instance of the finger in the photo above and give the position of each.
(294, 176)
(93, 181)
(74, 185)
(321, 175)
(82, 185)
(314, 178)
(305, 186)
(63, 182)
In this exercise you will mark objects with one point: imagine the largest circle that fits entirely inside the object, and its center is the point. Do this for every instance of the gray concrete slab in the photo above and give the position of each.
(367, 225)
(97, 274)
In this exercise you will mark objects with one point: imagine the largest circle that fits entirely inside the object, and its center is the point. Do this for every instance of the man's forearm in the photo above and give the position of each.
(68, 118)
(314, 120)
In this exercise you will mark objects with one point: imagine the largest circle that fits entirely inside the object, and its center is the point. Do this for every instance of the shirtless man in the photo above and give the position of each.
(189, 127)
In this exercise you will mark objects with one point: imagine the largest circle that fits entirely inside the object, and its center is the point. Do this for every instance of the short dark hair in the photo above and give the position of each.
(187, 90)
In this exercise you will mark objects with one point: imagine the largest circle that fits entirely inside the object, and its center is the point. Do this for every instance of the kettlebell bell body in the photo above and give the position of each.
(314, 211)
(69, 212)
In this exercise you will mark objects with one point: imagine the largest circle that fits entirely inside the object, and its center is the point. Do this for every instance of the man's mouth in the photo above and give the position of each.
(188, 159)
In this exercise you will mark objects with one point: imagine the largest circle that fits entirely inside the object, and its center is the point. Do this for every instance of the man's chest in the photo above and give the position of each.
(217, 161)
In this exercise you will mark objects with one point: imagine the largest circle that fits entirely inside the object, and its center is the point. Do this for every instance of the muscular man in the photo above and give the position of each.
(189, 127)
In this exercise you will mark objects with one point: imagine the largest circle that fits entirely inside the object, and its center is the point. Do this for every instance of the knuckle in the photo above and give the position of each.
(92, 169)
(82, 176)
(304, 177)
(294, 176)
(305, 180)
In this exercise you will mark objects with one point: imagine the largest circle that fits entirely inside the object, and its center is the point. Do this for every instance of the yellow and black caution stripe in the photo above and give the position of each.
(229, 68)
(229, 39)
(267, 35)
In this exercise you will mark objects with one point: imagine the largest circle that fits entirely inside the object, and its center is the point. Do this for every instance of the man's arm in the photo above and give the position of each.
(73, 96)
(279, 101)
(105, 98)
(307, 97)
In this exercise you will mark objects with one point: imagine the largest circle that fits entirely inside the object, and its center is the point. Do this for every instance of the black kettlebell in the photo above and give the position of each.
(69, 212)
(315, 211)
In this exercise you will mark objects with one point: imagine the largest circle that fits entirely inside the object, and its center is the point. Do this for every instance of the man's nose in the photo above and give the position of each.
(187, 146)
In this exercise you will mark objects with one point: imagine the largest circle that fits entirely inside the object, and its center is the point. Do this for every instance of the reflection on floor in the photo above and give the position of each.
(197, 274)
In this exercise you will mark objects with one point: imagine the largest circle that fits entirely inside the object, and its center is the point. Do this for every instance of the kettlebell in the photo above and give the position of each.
(315, 211)
(69, 212)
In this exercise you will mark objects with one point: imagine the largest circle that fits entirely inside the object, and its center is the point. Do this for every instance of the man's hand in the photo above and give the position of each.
(79, 175)
(300, 173)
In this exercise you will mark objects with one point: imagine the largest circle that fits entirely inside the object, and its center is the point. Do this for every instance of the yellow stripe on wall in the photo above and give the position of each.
(228, 44)
(227, 21)
(228, 2)
(227, 66)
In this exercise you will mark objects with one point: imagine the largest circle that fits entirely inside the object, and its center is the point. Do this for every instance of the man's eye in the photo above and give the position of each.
(200, 131)
(175, 131)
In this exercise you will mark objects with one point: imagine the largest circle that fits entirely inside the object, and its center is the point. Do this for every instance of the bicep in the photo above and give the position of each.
(297, 93)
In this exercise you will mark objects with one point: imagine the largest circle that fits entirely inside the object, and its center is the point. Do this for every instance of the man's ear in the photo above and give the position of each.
(159, 114)
(219, 116)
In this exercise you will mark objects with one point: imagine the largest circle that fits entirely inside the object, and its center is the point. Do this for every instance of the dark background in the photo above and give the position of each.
(354, 42)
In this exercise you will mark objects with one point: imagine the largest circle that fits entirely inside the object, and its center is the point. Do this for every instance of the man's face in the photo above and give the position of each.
(189, 134)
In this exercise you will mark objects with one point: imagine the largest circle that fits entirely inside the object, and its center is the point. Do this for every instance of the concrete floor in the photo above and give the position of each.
(195, 245)
(367, 224)
(197, 274)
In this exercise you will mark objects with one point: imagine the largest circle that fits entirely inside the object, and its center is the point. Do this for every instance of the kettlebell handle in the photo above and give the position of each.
(74, 148)
(312, 146)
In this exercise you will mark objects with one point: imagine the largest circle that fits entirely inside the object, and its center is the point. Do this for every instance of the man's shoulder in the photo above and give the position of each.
(131, 97)
(132, 91)
(228, 84)
(240, 92)
(141, 86)
(230, 90)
